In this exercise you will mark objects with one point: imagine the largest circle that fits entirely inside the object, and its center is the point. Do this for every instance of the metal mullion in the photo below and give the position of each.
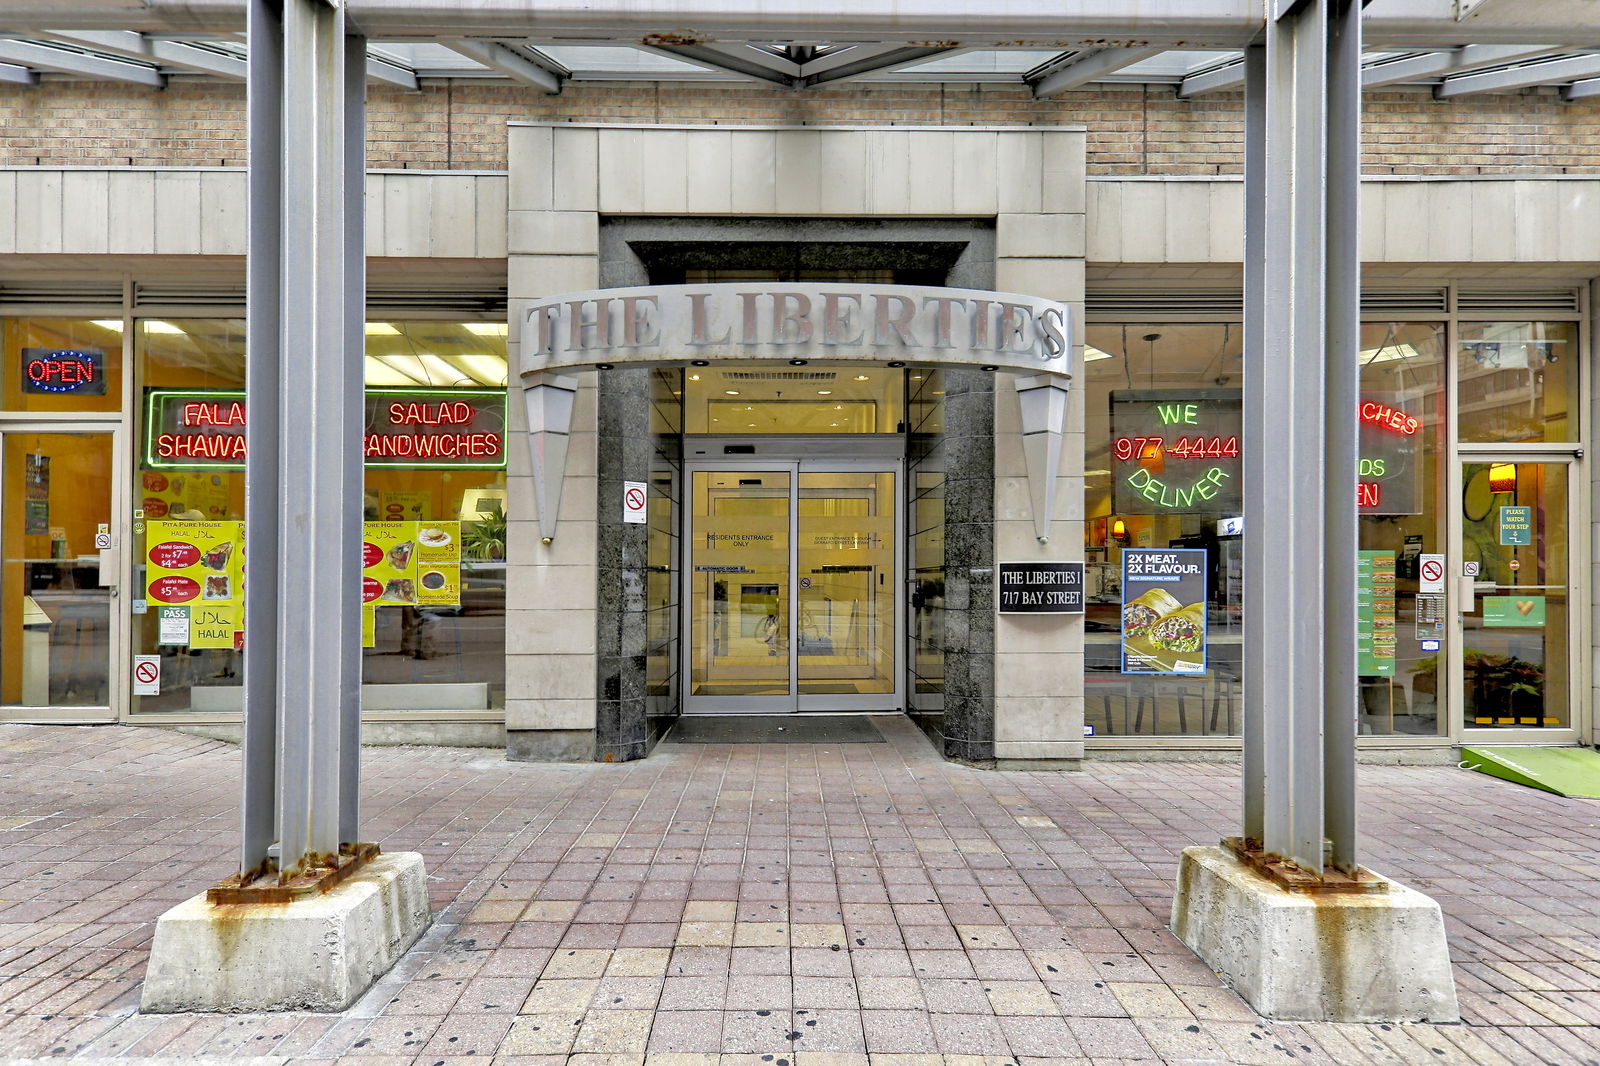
(793, 591)
(1255, 577)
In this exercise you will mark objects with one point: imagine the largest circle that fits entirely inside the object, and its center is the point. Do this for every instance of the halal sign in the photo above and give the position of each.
(80, 371)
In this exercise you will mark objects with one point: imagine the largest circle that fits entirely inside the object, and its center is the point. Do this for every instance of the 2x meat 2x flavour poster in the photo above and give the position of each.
(1163, 610)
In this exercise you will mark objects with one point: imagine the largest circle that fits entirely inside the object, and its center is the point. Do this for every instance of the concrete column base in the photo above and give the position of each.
(319, 953)
(1372, 957)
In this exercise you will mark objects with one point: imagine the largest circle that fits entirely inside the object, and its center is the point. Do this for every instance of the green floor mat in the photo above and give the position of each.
(1564, 771)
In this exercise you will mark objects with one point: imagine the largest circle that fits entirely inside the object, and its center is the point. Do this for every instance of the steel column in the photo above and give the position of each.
(352, 391)
(303, 467)
(1301, 397)
(1256, 578)
(262, 491)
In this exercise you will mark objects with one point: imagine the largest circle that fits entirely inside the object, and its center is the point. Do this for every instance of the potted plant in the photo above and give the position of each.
(486, 538)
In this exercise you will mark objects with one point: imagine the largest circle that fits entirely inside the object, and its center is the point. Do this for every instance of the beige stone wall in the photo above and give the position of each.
(462, 125)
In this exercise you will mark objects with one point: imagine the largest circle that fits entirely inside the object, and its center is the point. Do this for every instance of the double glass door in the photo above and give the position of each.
(793, 588)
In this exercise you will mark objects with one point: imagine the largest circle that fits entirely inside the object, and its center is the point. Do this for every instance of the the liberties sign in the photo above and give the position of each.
(893, 324)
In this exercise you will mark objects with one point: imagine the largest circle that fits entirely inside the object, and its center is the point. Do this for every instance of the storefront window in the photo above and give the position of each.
(1165, 521)
(1516, 382)
(434, 566)
(62, 364)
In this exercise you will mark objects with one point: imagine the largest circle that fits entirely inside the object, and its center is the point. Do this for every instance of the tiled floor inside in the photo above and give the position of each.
(782, 904)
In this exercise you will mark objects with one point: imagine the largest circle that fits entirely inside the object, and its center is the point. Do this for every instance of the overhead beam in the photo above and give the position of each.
(871, 60)
(1451, 60)
(548, 75)
(383, 70)
(130, 45)
(734, 59)
(1219, 79)
(1082, 68)
(1581, 90)
(1567, 68)
(67, 61)
(16, 75)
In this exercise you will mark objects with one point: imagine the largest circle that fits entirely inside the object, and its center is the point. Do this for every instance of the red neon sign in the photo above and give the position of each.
(1390, 418)
(1368, 494)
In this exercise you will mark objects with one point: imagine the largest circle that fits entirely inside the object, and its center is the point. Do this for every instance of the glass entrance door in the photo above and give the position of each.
(59, 626)
(1516, 666)
(793, 581)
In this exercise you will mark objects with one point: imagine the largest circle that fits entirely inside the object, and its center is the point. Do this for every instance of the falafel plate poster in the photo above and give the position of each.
(1163, 610)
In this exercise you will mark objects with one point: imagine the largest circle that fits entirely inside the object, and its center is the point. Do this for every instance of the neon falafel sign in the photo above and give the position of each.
(884, 324)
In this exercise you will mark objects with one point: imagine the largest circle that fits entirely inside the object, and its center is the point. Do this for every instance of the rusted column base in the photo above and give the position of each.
(1365, 955)
(319, 951)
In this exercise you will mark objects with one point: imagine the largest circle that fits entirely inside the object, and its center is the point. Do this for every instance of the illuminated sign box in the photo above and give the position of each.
(79, 371)
(1176, 451)
(195, 429)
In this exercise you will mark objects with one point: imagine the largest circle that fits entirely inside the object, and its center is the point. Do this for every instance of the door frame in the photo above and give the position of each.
(118, 621)
(794, 702)
(1578, 700)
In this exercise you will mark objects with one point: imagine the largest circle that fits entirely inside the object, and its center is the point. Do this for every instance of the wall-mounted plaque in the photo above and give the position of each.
(1041, 588)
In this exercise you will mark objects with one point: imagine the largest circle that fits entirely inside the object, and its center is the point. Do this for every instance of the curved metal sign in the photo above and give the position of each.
(884, 324)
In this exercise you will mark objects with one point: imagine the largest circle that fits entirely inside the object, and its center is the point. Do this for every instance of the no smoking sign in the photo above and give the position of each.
(634, 499)
(1430, 572)
(147, 675)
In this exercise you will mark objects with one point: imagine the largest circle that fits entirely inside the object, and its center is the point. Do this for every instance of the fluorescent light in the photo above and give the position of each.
(380, 373)
(1388, 353)
(1097, 473)
(152, 325)
(486, 369)
(441, 372)
(381, 329)
(113, 324)
(486, 329)
(407, 365)
(1091, 353)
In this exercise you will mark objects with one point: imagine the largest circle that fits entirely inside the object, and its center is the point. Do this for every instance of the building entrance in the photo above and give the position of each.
(793, 578)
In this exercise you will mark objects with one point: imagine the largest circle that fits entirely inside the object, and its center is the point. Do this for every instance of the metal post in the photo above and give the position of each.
(1256, 581)
(317, 561)
(353, 391)
(1301, 395)
(262, 492)
(1342, 449)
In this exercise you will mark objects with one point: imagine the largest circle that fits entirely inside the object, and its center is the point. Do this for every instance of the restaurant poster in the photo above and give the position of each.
(1375, 617)
(411, 564)
(199, 565)
(1164, 610)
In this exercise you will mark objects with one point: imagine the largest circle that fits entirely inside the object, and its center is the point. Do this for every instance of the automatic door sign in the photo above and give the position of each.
(1431, 574)
(147, 675)
(634, 499)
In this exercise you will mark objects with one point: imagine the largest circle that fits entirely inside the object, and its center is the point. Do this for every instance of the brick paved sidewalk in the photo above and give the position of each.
(775, 905)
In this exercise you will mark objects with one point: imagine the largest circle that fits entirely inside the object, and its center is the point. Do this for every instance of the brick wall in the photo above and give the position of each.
(461, 125)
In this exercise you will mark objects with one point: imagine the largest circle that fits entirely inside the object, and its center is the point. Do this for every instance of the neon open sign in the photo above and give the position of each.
(455, 428)
(80, 371)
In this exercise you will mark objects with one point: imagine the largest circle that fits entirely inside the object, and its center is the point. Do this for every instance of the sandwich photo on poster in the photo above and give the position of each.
(1163, 610)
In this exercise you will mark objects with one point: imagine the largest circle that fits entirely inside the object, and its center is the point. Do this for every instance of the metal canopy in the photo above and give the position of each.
(1049, 46)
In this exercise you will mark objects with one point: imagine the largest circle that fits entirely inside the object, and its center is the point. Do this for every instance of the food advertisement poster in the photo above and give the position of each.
(194, 562)
(1513, 610)
(411, 564)
(1375, 624)
(36, 506)
(1163, 610)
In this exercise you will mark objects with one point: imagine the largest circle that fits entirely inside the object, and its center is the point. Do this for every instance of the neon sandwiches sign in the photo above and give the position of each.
(194, 429)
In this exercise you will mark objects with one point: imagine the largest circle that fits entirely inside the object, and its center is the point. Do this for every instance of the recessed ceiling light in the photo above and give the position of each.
(861, 377)
(824, 392)
(916, 377)
(694, 377)
(114, 324)
(731, 392)
(381, 329)
(152, 325)
(486, 329)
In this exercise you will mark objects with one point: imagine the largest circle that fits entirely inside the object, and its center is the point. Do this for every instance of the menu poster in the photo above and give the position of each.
(194, 562)
(411, 564)
(1375, 620)
(36, 506)
(1164, 610)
